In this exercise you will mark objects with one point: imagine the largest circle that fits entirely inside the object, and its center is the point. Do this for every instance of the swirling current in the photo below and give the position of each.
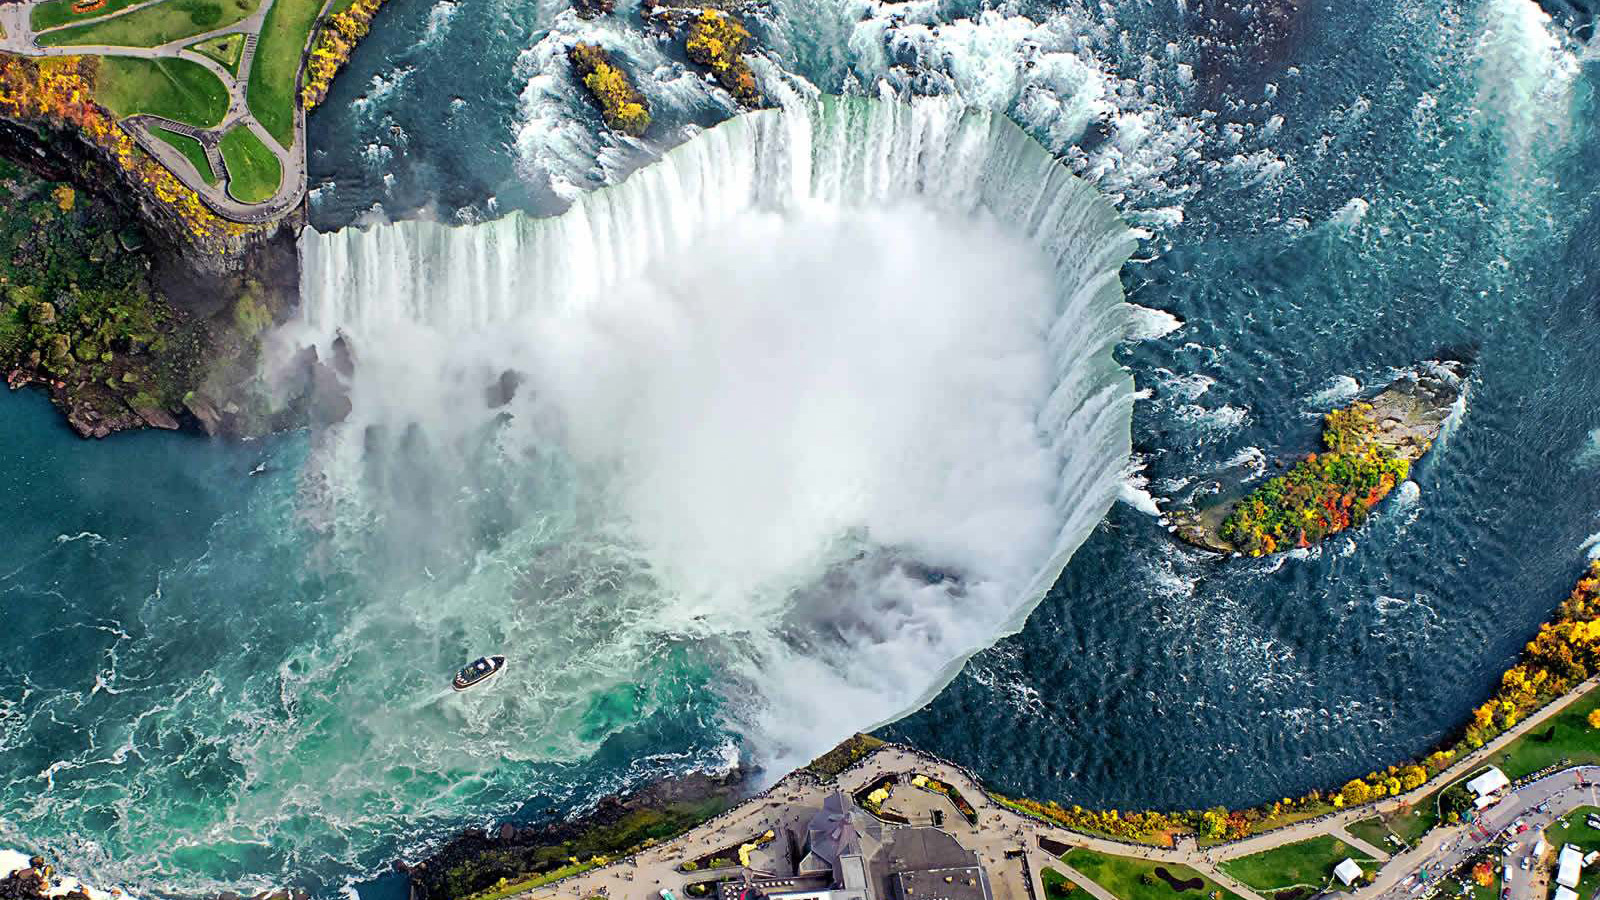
(747, 435)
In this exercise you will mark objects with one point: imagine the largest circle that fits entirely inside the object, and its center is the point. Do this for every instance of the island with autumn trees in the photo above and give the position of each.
(1368, 448)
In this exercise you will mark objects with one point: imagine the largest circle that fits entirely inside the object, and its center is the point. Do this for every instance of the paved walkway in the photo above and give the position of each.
(20, 38)
(789, 803)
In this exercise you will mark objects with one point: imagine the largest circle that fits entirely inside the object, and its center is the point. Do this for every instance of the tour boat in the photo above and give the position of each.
(478, 671)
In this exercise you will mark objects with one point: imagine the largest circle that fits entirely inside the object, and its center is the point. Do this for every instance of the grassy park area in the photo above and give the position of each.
(253, 170)
(1407, 824)
(191, 150)
(167, 21)
(1138, 879)
(274, 75)
(1308, 862)
(59, 12)
(1565, 735)
(1056, 885)
(172, 88)
(225, 49)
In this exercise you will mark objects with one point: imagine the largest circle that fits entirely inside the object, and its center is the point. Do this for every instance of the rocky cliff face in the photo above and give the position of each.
(63, 153)
(117, 307)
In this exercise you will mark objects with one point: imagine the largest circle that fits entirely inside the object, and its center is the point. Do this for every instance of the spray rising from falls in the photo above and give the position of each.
(822, 402)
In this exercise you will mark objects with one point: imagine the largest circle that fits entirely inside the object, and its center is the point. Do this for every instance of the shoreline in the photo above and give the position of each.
(1220, 830)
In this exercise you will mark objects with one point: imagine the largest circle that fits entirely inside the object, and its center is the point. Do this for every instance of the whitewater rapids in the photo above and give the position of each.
(822, 402)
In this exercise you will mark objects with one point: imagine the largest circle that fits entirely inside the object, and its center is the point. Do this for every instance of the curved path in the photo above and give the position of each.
(15, 21)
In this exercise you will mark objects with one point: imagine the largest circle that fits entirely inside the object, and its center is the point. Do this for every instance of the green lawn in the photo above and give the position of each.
(59, 12)
(225, 49)
(1406, 824)
(1572, 739)
(191, 149)
(274, 76)
(152, 26)
(1056, 885)
(1372, 830)
(172, 88)
(1307, 862)
(1124, 877)
(253, 172)
(1491, 891)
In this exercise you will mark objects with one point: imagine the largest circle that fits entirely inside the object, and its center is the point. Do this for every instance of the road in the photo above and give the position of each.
(1443, 849)
(15, 20)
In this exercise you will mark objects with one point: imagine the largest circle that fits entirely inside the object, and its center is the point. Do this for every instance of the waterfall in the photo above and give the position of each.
(824, 399)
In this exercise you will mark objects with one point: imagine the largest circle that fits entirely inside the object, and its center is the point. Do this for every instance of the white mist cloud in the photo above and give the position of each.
(794, 378)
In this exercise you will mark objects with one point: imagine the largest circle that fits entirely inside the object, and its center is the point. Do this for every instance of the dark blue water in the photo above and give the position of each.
(1327, 202)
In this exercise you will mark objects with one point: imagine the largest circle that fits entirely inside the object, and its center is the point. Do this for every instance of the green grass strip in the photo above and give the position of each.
(253, 171)
(1136, 879)
(191, 150)
(275, 74)
(59, 12)
(153, 26)
(1308, 862)
(175, 89)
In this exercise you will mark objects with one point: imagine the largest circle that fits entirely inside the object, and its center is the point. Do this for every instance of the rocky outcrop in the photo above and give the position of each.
(123, 334)
(35, 883)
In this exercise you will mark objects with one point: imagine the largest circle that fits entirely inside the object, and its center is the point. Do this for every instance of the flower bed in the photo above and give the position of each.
(939, 787)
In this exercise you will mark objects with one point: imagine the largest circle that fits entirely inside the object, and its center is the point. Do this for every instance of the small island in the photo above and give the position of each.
(1368, 449)
(623, 107)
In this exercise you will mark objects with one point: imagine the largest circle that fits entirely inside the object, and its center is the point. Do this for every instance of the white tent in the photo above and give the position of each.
(1569, 865)
(1487, 783)
(1347, 872)
(1565, 894)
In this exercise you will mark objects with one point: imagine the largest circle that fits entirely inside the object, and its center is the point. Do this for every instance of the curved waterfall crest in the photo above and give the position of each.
(585, 380)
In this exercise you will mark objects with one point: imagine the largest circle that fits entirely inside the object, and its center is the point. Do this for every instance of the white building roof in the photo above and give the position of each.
(1565, 894)
(1490, 781)
(1347, 871)
(1569, 865)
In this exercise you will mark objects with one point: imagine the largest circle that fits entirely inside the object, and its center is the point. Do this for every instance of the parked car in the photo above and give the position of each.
(1514, 846)
(1525, 864)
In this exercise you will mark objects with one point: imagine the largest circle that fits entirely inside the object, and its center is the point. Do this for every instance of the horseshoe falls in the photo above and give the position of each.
(823, 400)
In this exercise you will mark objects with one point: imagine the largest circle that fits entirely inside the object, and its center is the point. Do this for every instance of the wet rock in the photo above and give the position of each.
(156, 417)
(210, 422)
(504, 389)
(344, 360)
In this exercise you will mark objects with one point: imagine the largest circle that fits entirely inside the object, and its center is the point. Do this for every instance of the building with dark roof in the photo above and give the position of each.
(850, 855)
